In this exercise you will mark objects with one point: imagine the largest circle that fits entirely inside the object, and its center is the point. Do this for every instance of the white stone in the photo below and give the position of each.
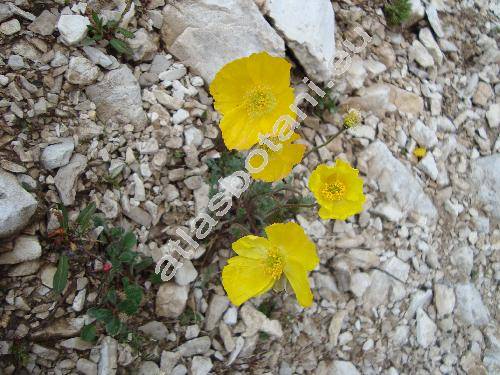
(423, 135)
(16, 205)
(463, 258)
(26, 248)
(417, 12)
(118, 98)
(171, 300)
(193, 136)
(47, 275)
(486, 174)
(356, 74)
(396, 181)
(200, 345)
(256, 321)
(420, 54)
(143, 45)
(217, 307)
(149, 368)
(360, 281)
(444, 299)
(109, 356)
(98, 57)
(425, 36)
(201, 365)
(470, 307)
(66, 178)
(180, 116)
(428, 166)
(57, 155)
(419, 300)
(73, 28)
(44, 24)
(86, 367)
(81, 71)
(154, 329)
(186, 274)
(343, 368)
(175, 72)
(426, 329)
(433, 17)
(10, 27)
(493, 115)
(231, 316)
(207, 34)
(309, 32)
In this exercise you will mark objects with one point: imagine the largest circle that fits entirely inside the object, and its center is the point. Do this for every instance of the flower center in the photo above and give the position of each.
(333, 191)
(274, 263)
(274, 141)
(259, 102)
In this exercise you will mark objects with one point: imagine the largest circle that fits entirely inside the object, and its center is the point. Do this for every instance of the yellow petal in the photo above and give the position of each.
(235, 132)
(252, 247)
(275, 71)
(244, 278)
(297, 277)
(294, 244)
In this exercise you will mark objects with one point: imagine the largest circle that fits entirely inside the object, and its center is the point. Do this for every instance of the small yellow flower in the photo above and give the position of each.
(338, 190)
(251, 93)
(262, 261)
(352, 118)
(419, 152)
(280, 163)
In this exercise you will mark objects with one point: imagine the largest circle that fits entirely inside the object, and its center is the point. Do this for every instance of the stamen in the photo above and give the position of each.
(274, 263)
(259, 102)
(333, 191)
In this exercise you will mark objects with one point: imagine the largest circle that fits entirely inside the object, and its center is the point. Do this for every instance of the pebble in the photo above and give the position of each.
(201, 365)
(44, 24)
(469, 305)
(81, 71)
(10, 27)
(26, 248)
(72, 28)
(193, 347)
(171, 300)
(217, 306)
(57, 155)
(426, 329)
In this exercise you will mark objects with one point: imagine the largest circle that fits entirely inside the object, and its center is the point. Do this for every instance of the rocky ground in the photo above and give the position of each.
(410, 286)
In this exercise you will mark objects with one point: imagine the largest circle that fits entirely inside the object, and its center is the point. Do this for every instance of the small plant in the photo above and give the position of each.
(326, 103)
(397, 12)
(119, 294)
(19, 353)
(99, 30)
(189, 316)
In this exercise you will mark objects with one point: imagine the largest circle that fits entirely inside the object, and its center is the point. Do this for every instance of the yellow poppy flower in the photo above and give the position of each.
(338, 190)
(251, 93)
(280, 163)
(262, 261)
(419, 152)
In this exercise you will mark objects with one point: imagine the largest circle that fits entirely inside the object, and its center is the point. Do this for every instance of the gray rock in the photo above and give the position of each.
(186, 274)
(423, 135)
(171, 300)
(207, 35)
(470, 307)
(193, 347)
(428, 166)
(118, 98)
(44, 24)
(343, 368)
(425, 36)
(86, 367)
(493, 115)
(67, 177)
(73, 28)
(5, 12)
(154, 329)
(426, 329)
(16, 205)
(463, 259)
(81, 71)
(76, 343)
(65, 327)
(100, 58)
(309, 32)
(218, 305)
(433, 17)
(109, 356)
(57, 155)
(420, 54)
(10, 27)
(25, 269)
(149, 368)
(397, 183)
(26, 248)
(201, 365)
(169, 361)
(256, 321)
(417, 13)
(444, 299)
(486, 174)
(143, 45)
(15, 62)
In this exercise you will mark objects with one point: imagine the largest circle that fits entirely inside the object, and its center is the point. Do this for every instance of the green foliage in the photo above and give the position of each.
(326, 103)
(61, 276)
(19, 353)
(397, 12)
(99, 30)
(267, 307)
(89, 333)
(189, 316)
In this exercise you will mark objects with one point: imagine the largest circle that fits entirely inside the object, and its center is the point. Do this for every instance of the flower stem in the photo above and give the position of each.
(330, 139)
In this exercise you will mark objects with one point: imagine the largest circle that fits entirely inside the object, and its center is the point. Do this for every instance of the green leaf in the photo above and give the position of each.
(128, 241)
(128, 256)
(128, 307)
(84, 219)
(64, 219)
(143, 264)
(126, 33)
(88, 333)
(112, 297)
(134, 293)
(114, 326)
(102, 315)
(61, 276)
(120, 46)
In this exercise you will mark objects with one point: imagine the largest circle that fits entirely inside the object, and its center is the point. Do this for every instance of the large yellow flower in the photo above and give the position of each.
(280, 163)
(262, 261)
(251, 93)
(338, 190)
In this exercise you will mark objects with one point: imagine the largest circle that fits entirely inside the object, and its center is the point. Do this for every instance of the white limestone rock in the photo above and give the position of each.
(26, 248)
(57, 155)
(486, 182)
(73, 28)
(470, 307)
(309, 31)
(206, 35)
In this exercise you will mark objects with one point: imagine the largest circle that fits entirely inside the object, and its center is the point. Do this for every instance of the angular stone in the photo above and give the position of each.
(118, 98)
(26, 248)
(171, 300)
(73, 28)
(81, 71)
(16, 205)
(493, 115)
(420, 54)
(444, 299)
(470, 307)
(200, 345)
(309, 32)
(206, 35)
(396, 182)
(217, 307)
(343, 368)
(57, 155)
(10, 27)
(201, 365)
(109, 357)
(67, 177)
(486, 184)
(44, 24)
(426, 329)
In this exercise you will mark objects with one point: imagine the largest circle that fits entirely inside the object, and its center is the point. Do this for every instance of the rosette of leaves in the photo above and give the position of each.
(100, 30)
